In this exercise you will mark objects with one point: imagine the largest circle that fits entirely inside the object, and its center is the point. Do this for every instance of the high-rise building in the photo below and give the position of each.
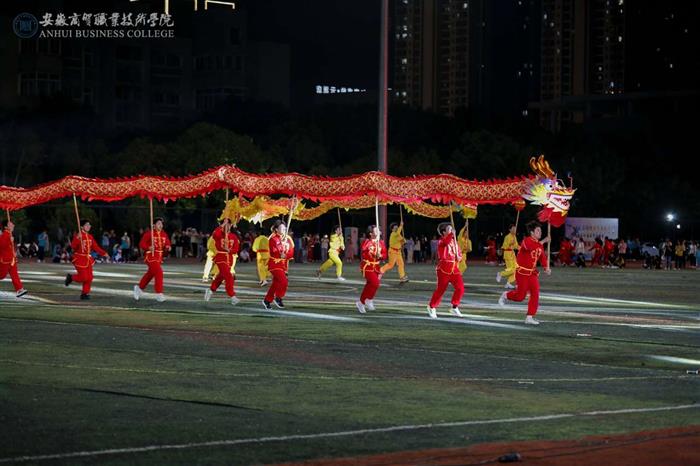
(431, 54)
(481, 55)
(582, 53)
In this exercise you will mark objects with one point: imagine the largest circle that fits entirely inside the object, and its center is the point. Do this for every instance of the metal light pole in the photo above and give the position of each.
(383, 104)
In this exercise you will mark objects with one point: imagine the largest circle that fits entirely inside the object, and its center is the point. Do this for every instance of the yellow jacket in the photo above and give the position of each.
(396, 240)
(337, 243)
(510, 242)
(211, 247)
(261, 247)
(465, 244)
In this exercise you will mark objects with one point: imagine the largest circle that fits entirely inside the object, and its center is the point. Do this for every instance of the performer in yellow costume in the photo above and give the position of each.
(465, 245)
(261, 247)
(210, 268)
(396, 242)
(510, 245)
(336, 245)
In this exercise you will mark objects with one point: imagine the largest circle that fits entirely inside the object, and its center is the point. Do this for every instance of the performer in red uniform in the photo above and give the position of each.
(373, 251)
(491, 256)
(227, 245)
(526, 275)
(281, 252)
(83, 245)
(597, 249)
(8, 257)
(608, 249)
(154, 242)
(565, 250)
(449, 256)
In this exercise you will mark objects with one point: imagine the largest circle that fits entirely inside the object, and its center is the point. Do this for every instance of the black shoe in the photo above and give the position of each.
(279, 303)
(85, 297)
(267, 305)
(69, 279)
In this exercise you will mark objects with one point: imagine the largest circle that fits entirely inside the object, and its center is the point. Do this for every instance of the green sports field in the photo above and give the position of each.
(183, 382)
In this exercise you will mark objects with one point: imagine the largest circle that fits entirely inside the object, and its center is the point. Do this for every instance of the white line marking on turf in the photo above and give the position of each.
(345, 433)
(694, 362)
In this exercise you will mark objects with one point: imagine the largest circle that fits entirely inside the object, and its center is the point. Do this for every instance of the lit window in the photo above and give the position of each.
(670, 65)
(404, 61)
(619, 38)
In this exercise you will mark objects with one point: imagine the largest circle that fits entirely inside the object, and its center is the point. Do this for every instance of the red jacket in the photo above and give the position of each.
(371, 256)
(531, 251)
(7, 249)
(449, 255)
(280, 246)
(161, 243)
(226, 246)
(83, 244)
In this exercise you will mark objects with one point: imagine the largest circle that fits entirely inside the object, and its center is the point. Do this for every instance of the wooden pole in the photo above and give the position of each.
(401, 212)
(291, 213)
(77, 217)
(549, 244)
(8, 214)
(153, 227)
(454, 232)
(340, 223)
(517, 218)
(376, 219)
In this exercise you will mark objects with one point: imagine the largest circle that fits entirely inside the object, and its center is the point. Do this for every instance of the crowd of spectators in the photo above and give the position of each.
(190, 243)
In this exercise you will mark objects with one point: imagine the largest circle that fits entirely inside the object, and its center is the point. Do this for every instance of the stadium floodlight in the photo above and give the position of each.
(670, 217)
(678, 227)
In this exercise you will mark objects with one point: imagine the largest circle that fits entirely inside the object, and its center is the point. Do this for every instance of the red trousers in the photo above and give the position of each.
(14, 275)
(155, 270)
(526, 284)
(371, 286)
(444, 279)
(278, 287)
(224, 275)
(84, 276)
(565, 258)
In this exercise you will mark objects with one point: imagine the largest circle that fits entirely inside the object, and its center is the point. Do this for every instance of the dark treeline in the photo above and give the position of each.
(635, 171)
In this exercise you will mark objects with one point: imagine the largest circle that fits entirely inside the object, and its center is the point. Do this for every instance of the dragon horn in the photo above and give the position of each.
(541, 167)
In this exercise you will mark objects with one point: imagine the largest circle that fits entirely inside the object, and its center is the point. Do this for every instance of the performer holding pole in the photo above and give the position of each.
(227, 244)
(449, 257)
(83, 245)
(372, 252)
(336, 245)
(396, 242)
(526, 274)
(281, 252)
(8, 256)
(510, 245)
(155, 242)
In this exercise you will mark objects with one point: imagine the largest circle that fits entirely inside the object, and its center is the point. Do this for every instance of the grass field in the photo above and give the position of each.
(122, 382)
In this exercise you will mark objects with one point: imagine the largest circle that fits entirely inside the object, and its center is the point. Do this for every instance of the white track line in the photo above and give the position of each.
(346, 433)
